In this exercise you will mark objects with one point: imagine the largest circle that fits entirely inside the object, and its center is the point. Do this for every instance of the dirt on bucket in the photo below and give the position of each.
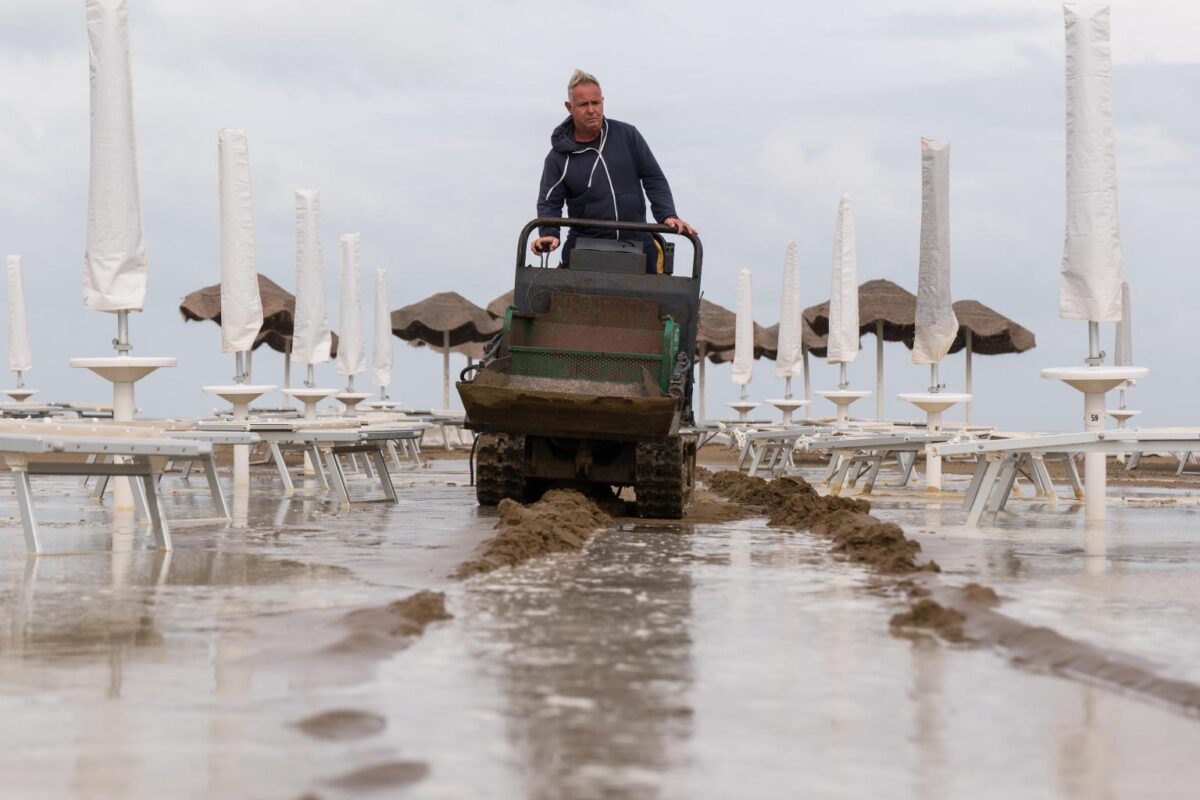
(560, 522)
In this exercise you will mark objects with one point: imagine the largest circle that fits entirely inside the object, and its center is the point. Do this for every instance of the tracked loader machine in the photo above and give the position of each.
(591, 378)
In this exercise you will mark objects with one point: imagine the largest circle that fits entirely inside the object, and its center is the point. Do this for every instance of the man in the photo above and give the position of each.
(601, 169)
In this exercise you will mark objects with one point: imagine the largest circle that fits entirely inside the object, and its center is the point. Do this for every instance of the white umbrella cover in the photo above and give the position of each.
(743, 340)
(1123, 357)
(936, 323)
(788, 356)
(311, 341)
(19, 357)
(1090, 281)
(843, 294)
(115, 267)
(352, 351)
(241, 306)
(382, 361)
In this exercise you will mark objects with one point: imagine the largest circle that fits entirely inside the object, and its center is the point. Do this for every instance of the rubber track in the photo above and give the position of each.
(664, 479)
(500, 468)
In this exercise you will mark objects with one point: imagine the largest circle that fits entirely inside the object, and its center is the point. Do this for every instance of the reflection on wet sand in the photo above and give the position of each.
(593, 655)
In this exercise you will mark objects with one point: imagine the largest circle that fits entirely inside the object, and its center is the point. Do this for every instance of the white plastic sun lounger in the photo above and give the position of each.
(325, 442)
(998, 461)
(852, 457)
(50, 451)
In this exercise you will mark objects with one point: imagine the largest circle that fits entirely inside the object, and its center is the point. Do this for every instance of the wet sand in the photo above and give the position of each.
(719, 656)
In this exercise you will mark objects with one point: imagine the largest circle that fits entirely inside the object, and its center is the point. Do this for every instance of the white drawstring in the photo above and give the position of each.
(561, 178)
(599, 159)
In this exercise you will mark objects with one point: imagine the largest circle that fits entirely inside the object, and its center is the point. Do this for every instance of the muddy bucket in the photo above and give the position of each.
(543, 408)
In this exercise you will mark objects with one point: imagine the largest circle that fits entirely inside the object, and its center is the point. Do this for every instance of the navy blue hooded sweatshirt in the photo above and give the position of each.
(602, 179)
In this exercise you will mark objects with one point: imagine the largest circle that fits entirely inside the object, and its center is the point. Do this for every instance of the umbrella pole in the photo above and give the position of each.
(287, 371)
(239, 367)
(446, 369)
(21, 385)
(250, 366)
(844, 381)
(349, 383)
(879, 370)
(310, 379)
(969, 380)
(703, 358)
(787, 388)
(807, 377)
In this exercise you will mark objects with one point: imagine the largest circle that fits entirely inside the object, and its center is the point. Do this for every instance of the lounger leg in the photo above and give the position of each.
(1004, 486)
(747, 450)
(981, 464)
(385, 477)
(446, 438)
(1184, 458)
(1073, 476)
(391, 446)
(839, 477)
(158, 520)
(338, 477)
(186, 471)
(983, 492)
(368, 470)
(318, 469)
(285, 476)
(832, 467)
(415, 444)
(757, 457)
(28, 514)
(140, 502)
(1133, 462)
(83, 481)
(101, 481)
(873, 473)
(1039, 466)
(214, 487)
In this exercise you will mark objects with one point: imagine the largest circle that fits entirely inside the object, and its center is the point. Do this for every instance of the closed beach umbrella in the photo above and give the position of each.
(311, 342)
(743, 348)
(20, 359)
(936, 325)
(843, 295)
(787, 357)
(115, 265)
(241, 305)
(1091, 274)
(352, 355)
(381, 363)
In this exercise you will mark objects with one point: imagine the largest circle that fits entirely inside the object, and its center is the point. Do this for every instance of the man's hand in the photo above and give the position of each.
(679, 225)
(544, 244)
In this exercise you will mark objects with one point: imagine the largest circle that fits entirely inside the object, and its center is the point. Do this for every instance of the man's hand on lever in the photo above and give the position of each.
(544, 244)
(679, 225)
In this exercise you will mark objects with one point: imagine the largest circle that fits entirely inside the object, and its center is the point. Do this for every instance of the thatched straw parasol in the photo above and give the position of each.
(885, 309)
(279, 312)
(499, 307)
(446, 322)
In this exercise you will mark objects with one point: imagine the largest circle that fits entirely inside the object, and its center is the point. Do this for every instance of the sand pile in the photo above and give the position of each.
(864, 539)
(930, 615)
(342, 725)
(385, 629)
(857, 536)
(560, 522)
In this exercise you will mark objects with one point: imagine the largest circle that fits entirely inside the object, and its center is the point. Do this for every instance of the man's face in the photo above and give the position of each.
(587, 109)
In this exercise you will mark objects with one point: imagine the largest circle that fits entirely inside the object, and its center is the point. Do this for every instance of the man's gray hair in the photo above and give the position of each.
(578, 77)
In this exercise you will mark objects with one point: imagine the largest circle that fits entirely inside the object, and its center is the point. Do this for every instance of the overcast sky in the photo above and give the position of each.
(424, 125)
